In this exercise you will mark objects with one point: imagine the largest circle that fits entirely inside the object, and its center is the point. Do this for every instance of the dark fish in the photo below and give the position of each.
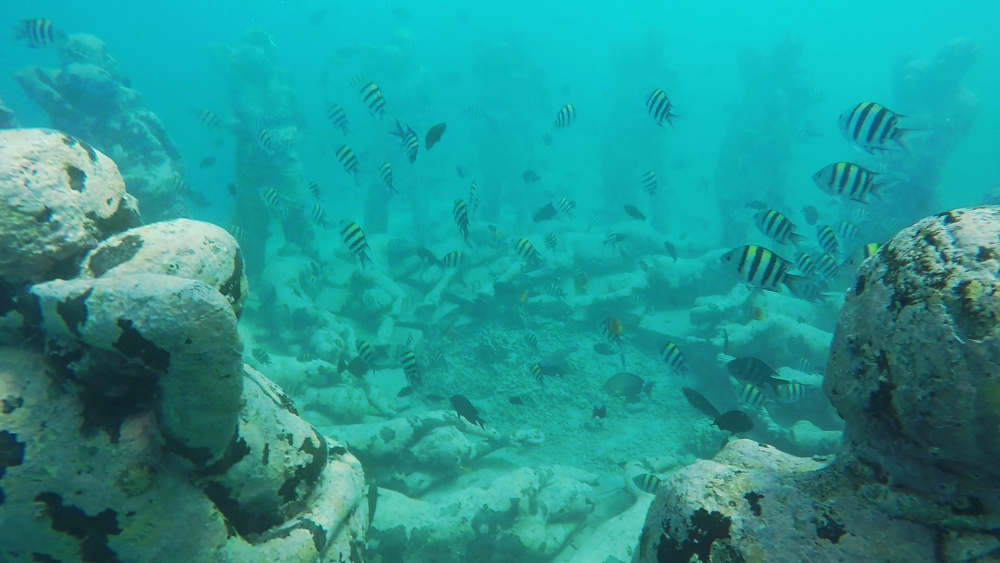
(261, 356)
(434, 135)
(358, 367)
(671, 250)
(372, 498)
(206, 162)
(600, 412)
(548, 211)
(405, 391)
(811, 213)
(634, 212)
(515, 400)
(734, 421)
(530, 176)
(757, 204)
(465, 410)
(623, 384)
(461, 171)
(231, 188)
(699, 402)
(605, 349)
(753, 370)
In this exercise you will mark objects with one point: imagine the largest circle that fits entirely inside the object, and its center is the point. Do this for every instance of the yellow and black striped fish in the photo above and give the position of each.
(777, 227)
(526, 250)
(793, 392)
(410, 368)
(264, 141)
(751, 395)
(827, 266)
(565, 207)
(551, 241)
(209, 119)
(473, 198)
(355, 241)
(647, 482)
(365, 351)
(462, 218)
(347, 159)
(318, 214)
(848, 179)
(453, 259)
(649, 184)
(805, 263)
(338, 118)
(408, 141)
(659, 107)
(238, 232)
(371, 96)
(828, 240)
(387, 179)
(37, 32)
(846, 231)
(315, 190)
(873, 127)
(760, 267)
(674, 358)
(566, 116)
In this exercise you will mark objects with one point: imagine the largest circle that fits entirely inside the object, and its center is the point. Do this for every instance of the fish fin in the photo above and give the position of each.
(670, 119)
(796, 239)
(796, 283)
(366, 262)
(900, 136)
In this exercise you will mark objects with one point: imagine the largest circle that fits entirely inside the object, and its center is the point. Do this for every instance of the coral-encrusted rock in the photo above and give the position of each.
(58, 199)
(914, 367)
(182, 247)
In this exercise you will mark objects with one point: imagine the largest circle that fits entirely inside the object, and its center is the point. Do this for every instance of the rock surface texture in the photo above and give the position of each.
(914, 373)
(130, 428)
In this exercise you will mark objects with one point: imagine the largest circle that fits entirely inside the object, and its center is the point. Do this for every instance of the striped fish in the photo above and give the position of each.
(647, 482)
(355, 241)
(462, 218)
(804, 365)
(371, 96)
(473, 198)
(318, 215)
(659, 107)
(209, 119)
(526, 250)
(338, 118)
(751, 395)
(264, 141)
(846, 230)
(565, 207)
(272, 199)
(37, 32)
(387, 179)
(531, 340)
(674, 358)
(408, 141)
(611, 329)
(365, 351)
(873, 127)
(315, 191)
(566, 116)
(810, 290)
(453, 259)
(410, 368)
(649, 184)
(347, 159)
(793, 392)
(848, 179)
(551, 241)
(555, 290)
(827, 266)
(777, 226)
(536, 372)
(760, 267)
(238, 232)
(828, 239)
(805, 263)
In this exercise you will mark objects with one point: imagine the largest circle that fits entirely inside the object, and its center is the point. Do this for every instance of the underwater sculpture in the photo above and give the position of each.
(913, 372)
(128, 420)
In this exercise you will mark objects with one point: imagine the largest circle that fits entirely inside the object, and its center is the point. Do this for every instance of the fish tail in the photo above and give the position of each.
(796, 239)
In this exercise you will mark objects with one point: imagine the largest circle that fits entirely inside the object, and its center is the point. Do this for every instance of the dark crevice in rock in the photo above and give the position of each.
(92, 531)
(308, 473)
(132, 345)
(197, 456)
(248, 524)
(231, 287)
(77, 178)
(753, 499)
(73, 311)
(706, 527)
(123, 219)
(318, 533)
(237, 450)
(829, 529)
(109, 257)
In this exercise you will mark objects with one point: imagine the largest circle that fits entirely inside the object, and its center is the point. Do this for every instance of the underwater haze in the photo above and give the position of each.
(515, 265)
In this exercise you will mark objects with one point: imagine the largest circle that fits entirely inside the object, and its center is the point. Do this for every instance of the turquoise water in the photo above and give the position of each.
(757, 90)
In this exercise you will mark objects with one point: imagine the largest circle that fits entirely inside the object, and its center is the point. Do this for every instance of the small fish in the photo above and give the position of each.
(385, 171)
(647, 482)
(735, 421)
(371, 96)
(207, 162)
(408, 141)
(811, 214)
(365, 351)
(848, 179)
(828, 240)
(599, 412)
(804, 365)
(355, 241)
(372, 489)
(805, 263)
(526, 250)
(530, 176)
(357, 367)
(347, 159)
(793, 392)
(760, 267)
(566, 116)
(555, 290)
(846, 231)
(315, 191)
(565, 207)
(753, 370)
(238, 232)
(671, 250)
(434, 135)
(37, 32)
(261, 356)
(272, 199)
(649, 184)
(305, 356)
(751, 395)
(410, 368)
(671, 355)
(515, 400)
(405, 391)
(548, 211)
(264, 141)
(624, 384)
(700, 402)
(827, 266)
(318, 215)
(634, 212)
(531, 340)
(473, 198)
(453, 259)
(614, 238)
(462, 218)
(873, 127)
(465, 410)
(776, 226)
(611, 329)
(659, 107)
(551, 241)
(338, 118)
(209, 119)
